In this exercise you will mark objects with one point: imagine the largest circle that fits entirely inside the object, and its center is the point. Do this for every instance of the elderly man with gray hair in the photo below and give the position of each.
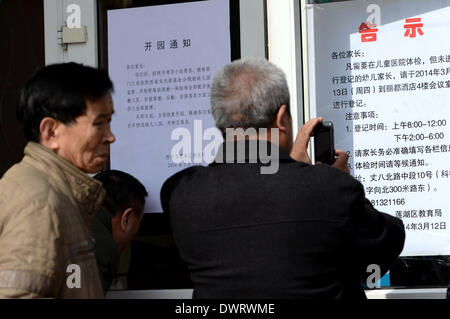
(302, 231)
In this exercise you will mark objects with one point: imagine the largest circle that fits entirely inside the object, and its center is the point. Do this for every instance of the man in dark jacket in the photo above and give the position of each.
(296, 231)
(118, 220)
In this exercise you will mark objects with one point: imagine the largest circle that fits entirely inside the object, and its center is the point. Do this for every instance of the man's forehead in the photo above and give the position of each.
(101, 107)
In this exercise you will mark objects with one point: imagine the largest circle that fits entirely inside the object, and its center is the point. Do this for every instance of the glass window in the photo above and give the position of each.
(379, 70)
(148, 88)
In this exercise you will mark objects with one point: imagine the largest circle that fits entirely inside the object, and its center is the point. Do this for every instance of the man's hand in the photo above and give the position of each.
(341, 161)
(299, 151)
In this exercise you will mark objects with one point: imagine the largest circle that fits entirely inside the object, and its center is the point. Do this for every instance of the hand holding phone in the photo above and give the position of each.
(299, 150)
(324, 142)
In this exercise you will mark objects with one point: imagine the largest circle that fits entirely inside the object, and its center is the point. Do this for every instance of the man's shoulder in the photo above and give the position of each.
(289, 170)
(21, 183)
(25, 189)
(185, 173)
(317, 172)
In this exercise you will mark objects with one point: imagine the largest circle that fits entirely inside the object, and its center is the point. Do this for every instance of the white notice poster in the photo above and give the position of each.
(162, 60)
(380, 70)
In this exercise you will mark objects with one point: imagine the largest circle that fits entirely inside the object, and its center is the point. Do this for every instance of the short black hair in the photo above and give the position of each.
(122, 191)
(59, 91)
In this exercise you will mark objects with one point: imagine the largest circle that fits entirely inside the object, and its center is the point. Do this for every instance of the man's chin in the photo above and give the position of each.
(97, 167)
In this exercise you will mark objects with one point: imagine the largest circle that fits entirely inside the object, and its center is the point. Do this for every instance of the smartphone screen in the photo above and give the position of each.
(324, 142)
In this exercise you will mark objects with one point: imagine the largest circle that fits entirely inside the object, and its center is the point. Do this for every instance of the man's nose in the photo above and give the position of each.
(110, 137)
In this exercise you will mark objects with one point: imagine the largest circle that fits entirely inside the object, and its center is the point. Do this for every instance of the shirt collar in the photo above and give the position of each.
(243, 151)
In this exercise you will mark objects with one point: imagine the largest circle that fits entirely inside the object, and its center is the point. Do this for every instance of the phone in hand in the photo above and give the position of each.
(324, 142)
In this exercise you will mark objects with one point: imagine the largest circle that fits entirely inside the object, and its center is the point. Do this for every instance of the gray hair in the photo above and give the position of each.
(248, 93)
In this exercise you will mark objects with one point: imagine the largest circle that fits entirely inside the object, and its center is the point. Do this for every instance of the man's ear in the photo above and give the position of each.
(282, 118)
(48, 129)
(126, 220)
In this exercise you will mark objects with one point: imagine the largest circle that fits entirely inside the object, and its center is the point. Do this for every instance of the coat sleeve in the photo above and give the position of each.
(376, 238)
(31, 257)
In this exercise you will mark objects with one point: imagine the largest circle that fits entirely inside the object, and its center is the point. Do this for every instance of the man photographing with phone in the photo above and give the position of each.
(323, 145)
(306, 231)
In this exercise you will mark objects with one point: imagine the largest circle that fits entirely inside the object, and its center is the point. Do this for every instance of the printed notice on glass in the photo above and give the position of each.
(162, 60)
(382, 75)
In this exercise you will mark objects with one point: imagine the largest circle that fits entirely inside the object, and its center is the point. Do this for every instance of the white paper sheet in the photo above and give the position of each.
(389, 100)
(162, 60)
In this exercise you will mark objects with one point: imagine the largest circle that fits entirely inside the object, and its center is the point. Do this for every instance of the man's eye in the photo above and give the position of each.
(98, 123)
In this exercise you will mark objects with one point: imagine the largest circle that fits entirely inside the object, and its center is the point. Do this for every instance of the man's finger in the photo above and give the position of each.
(306, 131)
(309, 126)
(341, 161)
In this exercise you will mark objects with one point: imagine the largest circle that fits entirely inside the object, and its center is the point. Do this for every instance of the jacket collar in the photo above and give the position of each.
(87, 192)
(255, 151)
(104, 218)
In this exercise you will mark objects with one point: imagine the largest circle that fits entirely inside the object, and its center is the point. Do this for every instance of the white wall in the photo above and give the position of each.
(252, 31)
(252, 18)
(284, 34)
(55, 16)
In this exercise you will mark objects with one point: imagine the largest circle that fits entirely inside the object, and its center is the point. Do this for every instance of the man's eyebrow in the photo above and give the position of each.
(104, 115)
